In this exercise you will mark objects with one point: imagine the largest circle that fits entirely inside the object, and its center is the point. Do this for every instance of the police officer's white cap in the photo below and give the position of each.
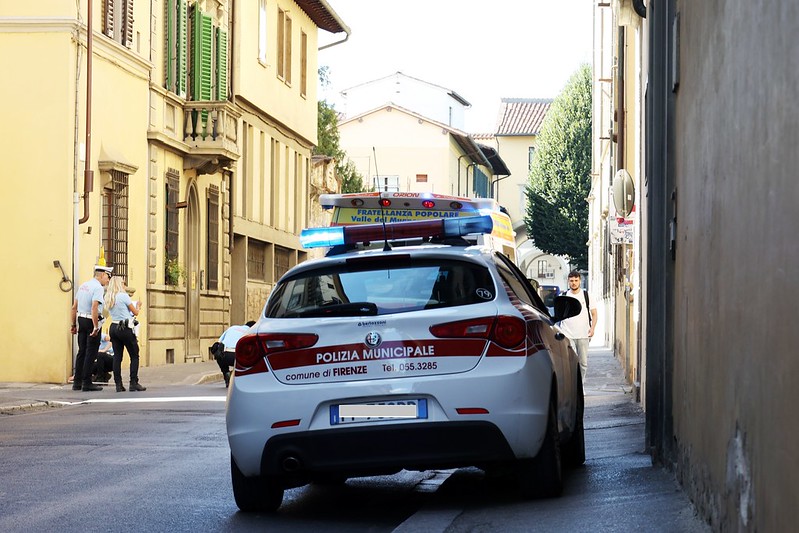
(101, 268)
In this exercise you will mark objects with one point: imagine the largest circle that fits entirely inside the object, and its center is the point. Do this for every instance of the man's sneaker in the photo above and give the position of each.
(134, 386)
(91, 388)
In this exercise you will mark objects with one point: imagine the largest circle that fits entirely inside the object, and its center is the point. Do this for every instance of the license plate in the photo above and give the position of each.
(353, 413)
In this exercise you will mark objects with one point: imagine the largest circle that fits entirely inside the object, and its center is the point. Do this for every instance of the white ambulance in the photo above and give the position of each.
(389, 207)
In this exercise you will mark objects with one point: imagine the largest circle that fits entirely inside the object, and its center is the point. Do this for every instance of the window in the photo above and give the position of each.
(118, 21)
(303, 63)
(404, 286)
(385, 183)
(421, 178)
(212, 262)
(256, 260)
(284, 46)
(262, 31)
(282, 261)
(530, 157)
(544, 270)
(480, 183)
(171, 224)
(196, 53)
(517, 284)
(115, 223)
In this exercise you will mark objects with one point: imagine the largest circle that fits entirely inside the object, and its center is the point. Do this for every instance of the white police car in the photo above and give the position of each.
(409, 356)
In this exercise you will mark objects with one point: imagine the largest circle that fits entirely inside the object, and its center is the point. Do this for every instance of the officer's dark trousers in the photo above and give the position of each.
(122, 338)
(225, 361)
(87, 352)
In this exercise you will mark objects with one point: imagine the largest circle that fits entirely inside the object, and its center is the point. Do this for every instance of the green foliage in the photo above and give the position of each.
(173, 271)
(560, 177)
(328, 144)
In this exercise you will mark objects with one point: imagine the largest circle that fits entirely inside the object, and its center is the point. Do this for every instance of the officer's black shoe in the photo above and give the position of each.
(91, 388)
(76, 387)
(134, 386)
(120, 387)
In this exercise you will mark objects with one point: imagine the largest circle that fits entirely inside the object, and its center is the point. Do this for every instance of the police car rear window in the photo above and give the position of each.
(380, 288)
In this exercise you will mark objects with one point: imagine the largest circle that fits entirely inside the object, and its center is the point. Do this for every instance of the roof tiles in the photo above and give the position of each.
(522, 116)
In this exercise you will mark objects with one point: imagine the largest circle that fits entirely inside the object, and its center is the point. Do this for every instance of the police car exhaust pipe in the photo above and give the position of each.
(291, 464)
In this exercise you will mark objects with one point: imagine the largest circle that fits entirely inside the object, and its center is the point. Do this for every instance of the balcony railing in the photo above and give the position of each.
(210, 125)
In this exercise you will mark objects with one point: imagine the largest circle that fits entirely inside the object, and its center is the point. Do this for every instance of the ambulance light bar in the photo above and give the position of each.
(440, 228)
(405, 200)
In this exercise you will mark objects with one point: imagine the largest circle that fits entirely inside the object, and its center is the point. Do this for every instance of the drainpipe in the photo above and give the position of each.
(459, 172)
(495, 194)
(467, 178)
(75, 193)
(88, 173)
(340, 22)
(230, 173)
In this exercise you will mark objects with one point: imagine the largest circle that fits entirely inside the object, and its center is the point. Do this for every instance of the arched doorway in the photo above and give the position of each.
(192, 274)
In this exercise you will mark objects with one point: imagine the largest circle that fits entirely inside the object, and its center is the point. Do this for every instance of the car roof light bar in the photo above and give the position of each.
(407, 200)
(442, 227)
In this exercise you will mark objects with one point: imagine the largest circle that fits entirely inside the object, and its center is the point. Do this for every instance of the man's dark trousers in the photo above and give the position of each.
(88, 347)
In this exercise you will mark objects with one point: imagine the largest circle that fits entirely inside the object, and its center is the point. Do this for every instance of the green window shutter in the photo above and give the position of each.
(169, 49)
(221, 65)
(182, 47)
(202, 45)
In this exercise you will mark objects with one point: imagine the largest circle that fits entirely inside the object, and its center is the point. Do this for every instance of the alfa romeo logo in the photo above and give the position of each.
(373, 339)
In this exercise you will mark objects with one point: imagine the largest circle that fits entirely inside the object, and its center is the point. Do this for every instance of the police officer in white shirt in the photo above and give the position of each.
(87, 309)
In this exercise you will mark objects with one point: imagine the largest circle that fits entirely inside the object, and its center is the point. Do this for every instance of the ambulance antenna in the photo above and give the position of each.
(386, 247)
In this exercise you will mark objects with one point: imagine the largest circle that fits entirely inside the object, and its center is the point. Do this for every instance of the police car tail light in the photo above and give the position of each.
(439, 227)
(476, 327)
(509, 331)
(252, 349)
(506, 331)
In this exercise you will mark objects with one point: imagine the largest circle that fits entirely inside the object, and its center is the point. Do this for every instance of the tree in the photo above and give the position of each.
(328, 143)
(560, 176)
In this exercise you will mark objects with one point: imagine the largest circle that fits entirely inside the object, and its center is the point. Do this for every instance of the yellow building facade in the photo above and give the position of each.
(396, 149)
(202, 116)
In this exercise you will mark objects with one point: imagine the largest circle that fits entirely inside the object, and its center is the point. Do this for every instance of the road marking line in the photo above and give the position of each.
(152, 400)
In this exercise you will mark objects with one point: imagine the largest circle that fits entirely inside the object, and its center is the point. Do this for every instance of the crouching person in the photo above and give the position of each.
(224, 349)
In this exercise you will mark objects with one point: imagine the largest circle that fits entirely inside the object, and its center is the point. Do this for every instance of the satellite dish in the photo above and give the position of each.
(623, 192)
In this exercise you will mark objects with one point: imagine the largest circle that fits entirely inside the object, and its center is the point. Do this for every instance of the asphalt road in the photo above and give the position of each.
(159, 461)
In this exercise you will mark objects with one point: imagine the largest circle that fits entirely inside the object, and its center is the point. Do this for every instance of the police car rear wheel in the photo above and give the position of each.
(254, 494)
(542, 476)
(574, 449)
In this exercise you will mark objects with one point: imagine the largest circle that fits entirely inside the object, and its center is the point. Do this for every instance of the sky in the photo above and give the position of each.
(482, 50)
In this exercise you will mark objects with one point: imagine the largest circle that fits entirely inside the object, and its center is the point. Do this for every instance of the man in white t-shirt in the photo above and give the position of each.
(579, 329)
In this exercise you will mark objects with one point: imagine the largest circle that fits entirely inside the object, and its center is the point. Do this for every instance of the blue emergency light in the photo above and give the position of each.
(438, 228)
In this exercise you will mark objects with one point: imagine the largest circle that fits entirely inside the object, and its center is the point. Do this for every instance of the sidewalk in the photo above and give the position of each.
(16, 396)
(604, 380)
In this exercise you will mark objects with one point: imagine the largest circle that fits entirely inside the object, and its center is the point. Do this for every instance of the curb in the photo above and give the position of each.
(45, 404)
